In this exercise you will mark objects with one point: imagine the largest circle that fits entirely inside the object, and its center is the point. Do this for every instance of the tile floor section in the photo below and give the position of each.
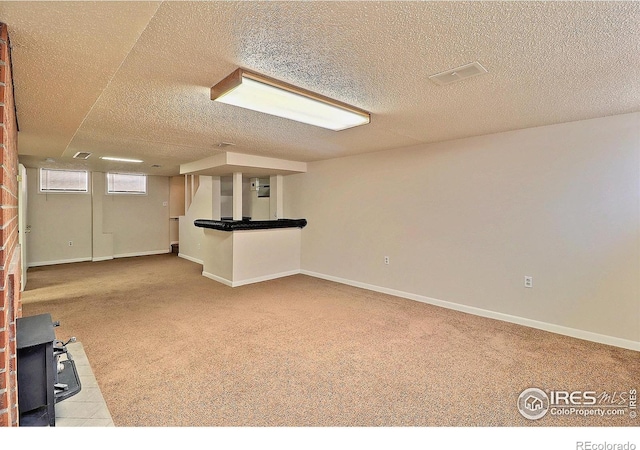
(87, 408)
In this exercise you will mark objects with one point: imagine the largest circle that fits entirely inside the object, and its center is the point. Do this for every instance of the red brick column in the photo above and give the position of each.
(10, 304)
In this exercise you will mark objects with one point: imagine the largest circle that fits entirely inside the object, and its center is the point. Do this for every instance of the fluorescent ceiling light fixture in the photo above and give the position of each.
(267, 95)
(112, 158)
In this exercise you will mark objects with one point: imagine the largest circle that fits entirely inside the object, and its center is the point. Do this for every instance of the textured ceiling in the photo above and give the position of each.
(132, 78)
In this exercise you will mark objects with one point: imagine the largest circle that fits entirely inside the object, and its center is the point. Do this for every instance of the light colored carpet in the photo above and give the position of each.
(172, 348)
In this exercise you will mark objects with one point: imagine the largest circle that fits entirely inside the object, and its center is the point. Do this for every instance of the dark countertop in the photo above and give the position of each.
(236, 225)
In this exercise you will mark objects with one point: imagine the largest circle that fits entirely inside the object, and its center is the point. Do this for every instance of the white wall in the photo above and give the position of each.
(101, 226)
(464, 221)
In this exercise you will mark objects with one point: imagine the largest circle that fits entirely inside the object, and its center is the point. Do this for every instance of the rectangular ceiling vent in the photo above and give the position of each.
(82, 155)
(459, 73)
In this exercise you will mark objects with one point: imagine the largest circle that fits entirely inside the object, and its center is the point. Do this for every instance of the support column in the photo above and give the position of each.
(187, 192)
(276, 197)
(237, 196)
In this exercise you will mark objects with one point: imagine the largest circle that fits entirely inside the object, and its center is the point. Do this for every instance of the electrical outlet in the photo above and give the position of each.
(70, 243)
(386, 260)
(528, 282)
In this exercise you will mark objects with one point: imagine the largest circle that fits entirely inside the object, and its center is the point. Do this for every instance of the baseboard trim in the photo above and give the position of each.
(102, 258)
(99, 258)
(59, 261)
(217, 278)
(190, 258)
(553, 328)
(148, 253)
(265, 278)
(249, 280)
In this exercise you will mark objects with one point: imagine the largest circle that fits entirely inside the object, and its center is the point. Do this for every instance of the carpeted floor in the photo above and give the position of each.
(172, 348)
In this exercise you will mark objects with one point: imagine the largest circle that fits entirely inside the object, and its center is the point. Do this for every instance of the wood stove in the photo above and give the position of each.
(43, 377)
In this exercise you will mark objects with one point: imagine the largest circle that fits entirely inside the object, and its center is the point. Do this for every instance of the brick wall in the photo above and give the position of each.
(10, 306)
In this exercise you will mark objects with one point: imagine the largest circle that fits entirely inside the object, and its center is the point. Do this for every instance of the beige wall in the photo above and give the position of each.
(259, 206)
(102, 240)
(201, 207)
(56, 219)
(139, 223)
(464, 222)
(176, 207)
(246, 198)
(101, 226)
(250, 256)
(217, 255)
(176, 196)
(226, 206)
(265, 254)
(191, 243)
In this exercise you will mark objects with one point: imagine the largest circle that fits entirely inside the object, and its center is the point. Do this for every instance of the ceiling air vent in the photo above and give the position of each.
(459, 73)
(82, 155)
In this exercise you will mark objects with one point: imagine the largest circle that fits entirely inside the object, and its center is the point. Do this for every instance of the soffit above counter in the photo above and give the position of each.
(228, 163)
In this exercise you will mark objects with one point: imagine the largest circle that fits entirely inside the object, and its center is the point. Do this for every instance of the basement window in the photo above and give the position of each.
(126, 183)
(63, 181)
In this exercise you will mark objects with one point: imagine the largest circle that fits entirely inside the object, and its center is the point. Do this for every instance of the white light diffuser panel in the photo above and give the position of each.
(265, 95)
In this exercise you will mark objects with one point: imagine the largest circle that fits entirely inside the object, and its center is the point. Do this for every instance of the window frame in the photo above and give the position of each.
(146, 184)
(63, 191)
